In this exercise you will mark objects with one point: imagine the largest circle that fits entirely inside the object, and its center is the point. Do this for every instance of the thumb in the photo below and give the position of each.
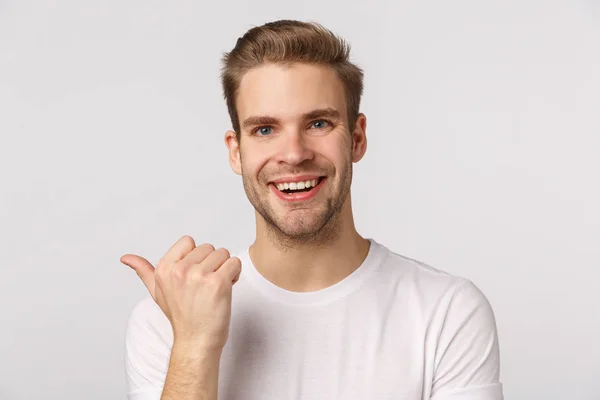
(143, 269)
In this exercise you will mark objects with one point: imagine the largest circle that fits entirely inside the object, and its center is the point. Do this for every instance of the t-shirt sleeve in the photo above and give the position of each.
(148, 343)
(467, 360)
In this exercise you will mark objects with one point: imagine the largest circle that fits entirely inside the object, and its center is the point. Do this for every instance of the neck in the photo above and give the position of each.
(310, 266)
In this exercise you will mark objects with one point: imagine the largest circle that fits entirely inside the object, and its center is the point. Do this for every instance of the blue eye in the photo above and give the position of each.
(265, 130)
(319, 124)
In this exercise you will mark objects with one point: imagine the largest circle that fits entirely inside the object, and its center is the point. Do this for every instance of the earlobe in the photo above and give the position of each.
(231, 141)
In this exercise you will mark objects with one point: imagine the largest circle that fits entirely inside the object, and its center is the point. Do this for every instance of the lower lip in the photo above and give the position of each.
(300, 196)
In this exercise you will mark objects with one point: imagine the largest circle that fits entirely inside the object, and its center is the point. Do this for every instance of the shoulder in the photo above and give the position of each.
(447, 303)
(429, 283)
(459, 327)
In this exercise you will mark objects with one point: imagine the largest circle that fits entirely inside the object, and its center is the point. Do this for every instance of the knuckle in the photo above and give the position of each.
(187, 239)
(181, 270)
(183, 263)
(235, 264)
(187, 242)
(197, 276)
(223, 252)
(206, 247)
(178, 274)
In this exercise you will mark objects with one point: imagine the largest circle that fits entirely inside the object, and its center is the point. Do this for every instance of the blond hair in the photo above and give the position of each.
(289, 41)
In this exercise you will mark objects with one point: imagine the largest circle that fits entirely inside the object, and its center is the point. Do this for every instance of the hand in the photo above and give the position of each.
(192, 285)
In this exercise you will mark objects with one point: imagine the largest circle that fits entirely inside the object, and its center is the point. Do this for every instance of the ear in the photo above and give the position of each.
(359, 138)
(233, 146)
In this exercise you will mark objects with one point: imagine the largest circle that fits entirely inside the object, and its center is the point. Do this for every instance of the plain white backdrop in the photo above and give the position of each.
(483, 160)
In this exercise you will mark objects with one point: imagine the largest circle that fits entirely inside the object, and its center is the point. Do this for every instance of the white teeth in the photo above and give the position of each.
(297, 185)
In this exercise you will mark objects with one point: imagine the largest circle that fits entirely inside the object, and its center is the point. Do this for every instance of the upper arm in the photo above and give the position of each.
(467, 360)
(148, 343)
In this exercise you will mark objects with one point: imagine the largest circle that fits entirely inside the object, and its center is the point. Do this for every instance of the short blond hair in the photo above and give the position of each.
(289, 41)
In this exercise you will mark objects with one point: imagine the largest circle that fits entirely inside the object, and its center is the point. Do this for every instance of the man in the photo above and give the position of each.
(317, 312)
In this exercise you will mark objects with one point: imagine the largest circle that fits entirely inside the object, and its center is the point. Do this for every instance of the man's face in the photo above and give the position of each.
(295, 152)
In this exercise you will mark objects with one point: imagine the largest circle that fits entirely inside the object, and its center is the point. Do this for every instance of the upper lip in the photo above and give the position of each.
(299, 178)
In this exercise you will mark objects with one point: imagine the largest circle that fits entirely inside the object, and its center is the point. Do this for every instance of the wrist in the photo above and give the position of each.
(195, 348)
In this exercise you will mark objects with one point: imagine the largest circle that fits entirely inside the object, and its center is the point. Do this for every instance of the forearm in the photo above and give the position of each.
(193, 373)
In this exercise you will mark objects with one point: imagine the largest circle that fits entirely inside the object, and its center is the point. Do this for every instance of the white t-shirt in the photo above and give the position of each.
(395, 328)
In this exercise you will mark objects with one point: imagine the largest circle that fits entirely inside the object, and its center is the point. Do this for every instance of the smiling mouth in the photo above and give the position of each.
(298, 187)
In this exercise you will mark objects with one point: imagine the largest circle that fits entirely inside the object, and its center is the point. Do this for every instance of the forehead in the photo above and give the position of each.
(286, 91)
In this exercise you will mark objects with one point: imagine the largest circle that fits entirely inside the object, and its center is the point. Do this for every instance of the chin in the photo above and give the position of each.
(292, 227)
(302, 232)
(301, 223)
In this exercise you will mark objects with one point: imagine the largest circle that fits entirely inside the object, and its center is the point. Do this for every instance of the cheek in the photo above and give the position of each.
(338, 152)
(253, 165)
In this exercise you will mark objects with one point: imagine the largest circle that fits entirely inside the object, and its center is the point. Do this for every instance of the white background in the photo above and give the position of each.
(483, 160)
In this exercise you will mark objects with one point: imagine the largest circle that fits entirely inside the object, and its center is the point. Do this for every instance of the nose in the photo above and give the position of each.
(294, 148)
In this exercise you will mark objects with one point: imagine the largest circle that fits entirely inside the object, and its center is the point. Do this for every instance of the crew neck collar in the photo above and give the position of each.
(326, 295)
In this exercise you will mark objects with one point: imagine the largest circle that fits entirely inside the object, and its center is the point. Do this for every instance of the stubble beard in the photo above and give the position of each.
(320, 228)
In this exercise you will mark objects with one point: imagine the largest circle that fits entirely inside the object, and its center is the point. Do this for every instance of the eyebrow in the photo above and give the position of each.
(266, 120)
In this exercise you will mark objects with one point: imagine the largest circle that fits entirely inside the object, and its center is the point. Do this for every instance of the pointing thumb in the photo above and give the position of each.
(143, 269)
